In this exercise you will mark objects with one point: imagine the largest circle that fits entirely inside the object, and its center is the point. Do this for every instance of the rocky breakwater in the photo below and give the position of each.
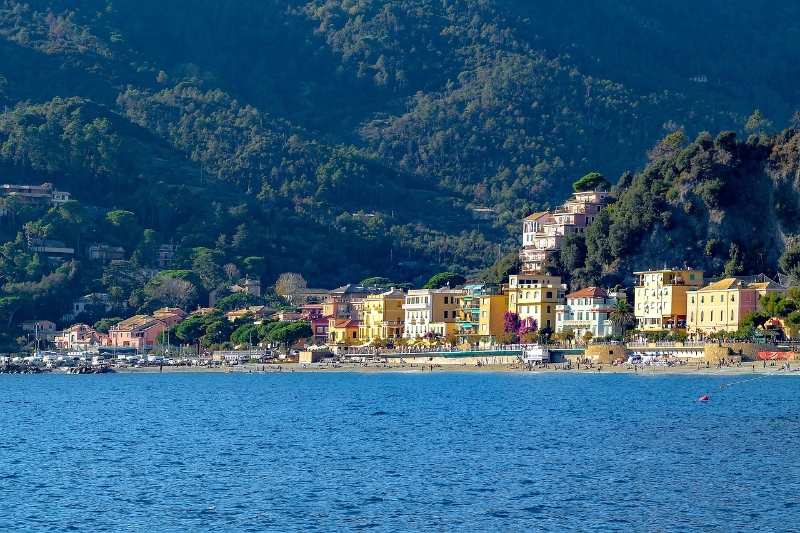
(10, 368)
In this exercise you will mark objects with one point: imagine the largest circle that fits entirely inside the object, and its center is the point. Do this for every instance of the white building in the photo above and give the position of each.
(588, 310)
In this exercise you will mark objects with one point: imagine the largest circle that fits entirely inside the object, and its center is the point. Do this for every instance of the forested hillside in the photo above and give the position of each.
(343, 139)
(726, 206)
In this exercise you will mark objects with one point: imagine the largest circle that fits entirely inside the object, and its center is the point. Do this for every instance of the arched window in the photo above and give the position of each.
(733, 298)
(702, 315)
(732, 315)
(528, 294)
(691, 318)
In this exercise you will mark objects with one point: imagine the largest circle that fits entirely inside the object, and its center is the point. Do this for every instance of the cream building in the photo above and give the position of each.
(431, 311)
(660, 298)
(721, 305)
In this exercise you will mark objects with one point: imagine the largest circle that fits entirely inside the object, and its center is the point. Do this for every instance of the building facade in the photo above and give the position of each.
(429, 311)
(721, 305)
(383, 316)
(543, 233)
(535, 296)
(587, 311)
(660, 298)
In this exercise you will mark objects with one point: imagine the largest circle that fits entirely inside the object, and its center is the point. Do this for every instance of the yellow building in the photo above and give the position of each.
(660, 298)
(481, 310)
(426, 308)
(383, 316)
(343, 330)
(535, 296)
(721, 305)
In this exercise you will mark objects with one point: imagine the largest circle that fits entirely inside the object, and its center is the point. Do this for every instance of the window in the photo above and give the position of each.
(691, 318)
(483, 314)
(512, 298)
(549, 294)
(692, 299)
(528, 294)
(712, 301)
(483, 327)
(691, 277)
(445, 299)
(733, 298)
(536, 294)
(548, 310)
(702, 299)
(711, 315)
(445, 314)
(702, 315)
(732, 315)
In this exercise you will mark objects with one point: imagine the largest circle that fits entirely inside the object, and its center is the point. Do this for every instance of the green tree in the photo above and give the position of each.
(290, 333)
(594, 181)
(622, 315)
(104, 324)
(449, 279)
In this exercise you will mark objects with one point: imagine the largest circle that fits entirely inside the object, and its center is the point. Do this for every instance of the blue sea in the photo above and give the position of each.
(461, 451)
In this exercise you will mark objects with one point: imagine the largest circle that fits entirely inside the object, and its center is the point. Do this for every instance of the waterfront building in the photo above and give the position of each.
(78, 337)
(660, 297)
(587, 310)
(535, 296)
(383, 316)
(140, 332)
(480, 311)
(720, 306)
(343, 330)
(431, 311)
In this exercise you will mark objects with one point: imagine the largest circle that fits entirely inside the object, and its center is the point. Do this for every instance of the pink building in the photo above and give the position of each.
(542, 233)
(140, 332)
(170, 315)
(77, 337)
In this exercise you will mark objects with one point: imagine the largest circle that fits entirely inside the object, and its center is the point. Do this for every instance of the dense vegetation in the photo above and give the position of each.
(720, 204)
(344, 139)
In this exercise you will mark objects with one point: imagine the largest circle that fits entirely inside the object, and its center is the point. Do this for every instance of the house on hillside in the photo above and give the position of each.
(103, 253)
(54, 251)
(42, 329)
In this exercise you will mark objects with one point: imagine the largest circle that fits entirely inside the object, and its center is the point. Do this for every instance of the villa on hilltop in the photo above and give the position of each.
(543, 233)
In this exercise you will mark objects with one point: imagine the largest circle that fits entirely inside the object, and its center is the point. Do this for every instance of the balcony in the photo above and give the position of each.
(578, 323)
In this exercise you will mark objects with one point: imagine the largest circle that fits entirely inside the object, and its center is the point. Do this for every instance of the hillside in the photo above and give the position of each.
(727, 206)
(339, 138)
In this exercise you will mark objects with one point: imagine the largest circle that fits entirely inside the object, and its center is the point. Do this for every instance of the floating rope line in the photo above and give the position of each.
(708, 397)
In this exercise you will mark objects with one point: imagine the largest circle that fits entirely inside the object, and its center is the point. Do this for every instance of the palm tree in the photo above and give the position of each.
(622, 315)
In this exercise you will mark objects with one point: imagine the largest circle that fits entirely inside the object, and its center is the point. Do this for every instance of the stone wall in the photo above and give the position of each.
(606, 353)
(747, 350)
(432, 359)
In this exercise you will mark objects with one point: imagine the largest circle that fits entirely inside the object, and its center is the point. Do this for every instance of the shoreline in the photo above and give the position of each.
(693, 369)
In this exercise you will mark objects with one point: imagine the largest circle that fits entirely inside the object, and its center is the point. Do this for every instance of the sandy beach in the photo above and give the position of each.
(691, 368)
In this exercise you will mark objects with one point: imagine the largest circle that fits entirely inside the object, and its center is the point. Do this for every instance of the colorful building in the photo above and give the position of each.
(429, 311)
(481, 310)
(660, 298)
(535, 296)
(383, 316)
(721, 305)
(140, 332)
(543, 233)
(587, 310)
(343, 330)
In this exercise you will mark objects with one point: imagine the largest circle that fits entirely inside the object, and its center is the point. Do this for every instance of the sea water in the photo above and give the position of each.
(461, 451)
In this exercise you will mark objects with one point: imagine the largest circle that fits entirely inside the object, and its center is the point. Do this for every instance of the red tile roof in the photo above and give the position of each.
(589, 292)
